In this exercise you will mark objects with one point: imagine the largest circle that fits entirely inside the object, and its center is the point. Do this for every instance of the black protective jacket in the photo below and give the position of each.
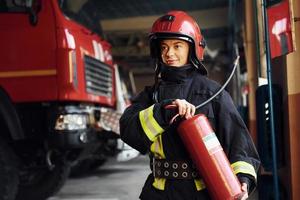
(186, 83)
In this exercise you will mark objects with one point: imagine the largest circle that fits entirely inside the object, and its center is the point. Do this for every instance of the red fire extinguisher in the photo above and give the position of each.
(208, 155)
(209, 158)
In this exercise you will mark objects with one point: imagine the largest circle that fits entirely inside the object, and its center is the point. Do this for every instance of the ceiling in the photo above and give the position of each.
(113, 9)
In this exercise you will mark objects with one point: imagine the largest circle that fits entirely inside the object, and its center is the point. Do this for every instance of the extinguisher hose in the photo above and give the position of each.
(236, 61)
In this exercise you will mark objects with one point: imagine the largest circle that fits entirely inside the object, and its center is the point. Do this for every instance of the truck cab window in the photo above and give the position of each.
(12, 6)
(83, 12)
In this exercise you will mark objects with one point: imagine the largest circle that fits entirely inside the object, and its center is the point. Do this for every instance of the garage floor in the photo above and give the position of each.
(113, 181)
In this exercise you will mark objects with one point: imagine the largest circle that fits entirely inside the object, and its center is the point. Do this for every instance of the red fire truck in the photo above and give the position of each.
(56, 76)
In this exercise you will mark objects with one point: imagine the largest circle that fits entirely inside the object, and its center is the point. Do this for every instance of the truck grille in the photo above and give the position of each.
(98, 77)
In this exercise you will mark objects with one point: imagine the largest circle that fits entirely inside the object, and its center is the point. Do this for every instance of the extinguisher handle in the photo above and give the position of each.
(170, 107)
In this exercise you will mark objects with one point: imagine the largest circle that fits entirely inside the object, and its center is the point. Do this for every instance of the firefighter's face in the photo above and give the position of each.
(174, 52)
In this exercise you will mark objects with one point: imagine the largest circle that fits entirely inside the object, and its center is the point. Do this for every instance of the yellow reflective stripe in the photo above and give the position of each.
(243, 167)
(200, 185)
(158, 151)
(149, 124)
(157, 148)
(159, 183)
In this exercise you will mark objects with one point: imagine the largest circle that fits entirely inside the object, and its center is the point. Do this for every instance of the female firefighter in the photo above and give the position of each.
(177, 47)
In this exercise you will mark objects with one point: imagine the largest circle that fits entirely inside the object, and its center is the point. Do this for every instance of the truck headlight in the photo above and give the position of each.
(71, 122)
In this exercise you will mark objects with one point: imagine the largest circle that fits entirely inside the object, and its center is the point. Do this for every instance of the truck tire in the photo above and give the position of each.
(9, 178)
(44, 183)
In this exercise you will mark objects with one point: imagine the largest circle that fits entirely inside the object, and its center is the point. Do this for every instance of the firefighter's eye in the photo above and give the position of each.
(163, 47)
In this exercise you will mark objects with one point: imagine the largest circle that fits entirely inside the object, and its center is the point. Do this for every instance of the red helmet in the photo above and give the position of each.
(179, 25)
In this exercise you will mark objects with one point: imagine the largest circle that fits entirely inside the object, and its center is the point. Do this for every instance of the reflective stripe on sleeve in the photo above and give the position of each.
(149, 124)
(243, 167)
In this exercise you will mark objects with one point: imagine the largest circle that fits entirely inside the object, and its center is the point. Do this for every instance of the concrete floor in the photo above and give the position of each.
(113, 181)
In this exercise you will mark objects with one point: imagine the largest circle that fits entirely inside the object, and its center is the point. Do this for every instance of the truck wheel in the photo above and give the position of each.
(9, 179)
(41, 183)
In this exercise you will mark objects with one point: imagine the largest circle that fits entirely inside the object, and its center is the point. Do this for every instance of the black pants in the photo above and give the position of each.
(174, 190)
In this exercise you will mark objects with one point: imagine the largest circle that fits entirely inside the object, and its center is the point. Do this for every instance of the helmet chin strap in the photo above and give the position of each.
(194, 61)
(157, 71)
(194, 64)
(156, 66)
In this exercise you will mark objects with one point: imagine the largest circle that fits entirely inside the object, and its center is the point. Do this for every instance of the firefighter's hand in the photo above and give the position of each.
(185, 109)
(245, 191)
